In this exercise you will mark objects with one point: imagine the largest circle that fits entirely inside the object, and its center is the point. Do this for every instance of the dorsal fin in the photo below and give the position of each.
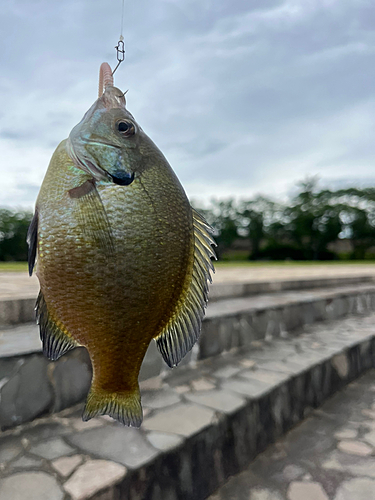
(32, 241)
(182, 331)
(55, 341)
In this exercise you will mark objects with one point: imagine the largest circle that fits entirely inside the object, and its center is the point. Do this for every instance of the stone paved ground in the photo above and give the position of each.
(330, 456)
(20, 285)
(285, 272)
(197, 420)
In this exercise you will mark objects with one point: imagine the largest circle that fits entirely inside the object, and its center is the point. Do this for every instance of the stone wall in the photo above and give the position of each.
(31, 386)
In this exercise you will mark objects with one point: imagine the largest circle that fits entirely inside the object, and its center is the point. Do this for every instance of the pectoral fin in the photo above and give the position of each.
(32, 241)
(55, 341)
(94, 220)
(184, 328)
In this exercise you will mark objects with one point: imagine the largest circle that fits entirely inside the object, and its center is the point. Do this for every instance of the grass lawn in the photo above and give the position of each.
(22, 266)
(249, 263)
(13, 266)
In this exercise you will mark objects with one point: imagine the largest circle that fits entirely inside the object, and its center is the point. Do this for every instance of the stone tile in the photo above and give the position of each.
(266, 376)
(184, 420)
(346, 434)
(356, 489)
(71, 378)
(151, 384)
(54, 448)
(369, 413)
(160, 399)
(251, 388)
(44, 431)
(227, 371)
(26, 463)
(219, 400)
(10, 447)
(93, 476)
(125, 445)
(79, 425)
(351, 464)
(152, 363)
(27, 394)
(66, 465)
(278, 366)
(354, 448)
(333, 463)
(307, 477)
(292, 472)
(202, 384)
(181, 389)
(30, 486)
(306, 491)
(146, 411)
(264, 495)
(248, 363)
(106, 419)
(164, 441)
(370, 438)
(366, 468)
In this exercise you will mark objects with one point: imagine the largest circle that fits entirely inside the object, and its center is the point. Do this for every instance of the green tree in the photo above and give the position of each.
(314, 220)
(223, 216)
(257, 216)
(362, 233)
(13, 231)
(225, 223)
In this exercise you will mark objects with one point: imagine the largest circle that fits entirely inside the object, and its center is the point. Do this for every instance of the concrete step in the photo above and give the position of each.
(31, 385)
(220, 291)
(329, 456)
(203, 422)
(18, 305)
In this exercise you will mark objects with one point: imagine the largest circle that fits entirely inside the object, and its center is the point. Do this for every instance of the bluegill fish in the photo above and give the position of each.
(121, 256)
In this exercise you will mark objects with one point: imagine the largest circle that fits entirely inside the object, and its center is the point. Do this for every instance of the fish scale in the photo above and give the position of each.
(121, 256)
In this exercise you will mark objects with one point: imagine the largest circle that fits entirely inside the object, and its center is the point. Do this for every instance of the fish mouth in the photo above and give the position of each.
(100, 143)
(122, 178)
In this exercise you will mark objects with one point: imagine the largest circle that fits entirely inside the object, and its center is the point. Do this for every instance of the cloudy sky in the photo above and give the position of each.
(242, 96)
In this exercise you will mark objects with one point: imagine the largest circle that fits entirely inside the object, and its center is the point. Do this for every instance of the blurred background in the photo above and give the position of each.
(264, 109)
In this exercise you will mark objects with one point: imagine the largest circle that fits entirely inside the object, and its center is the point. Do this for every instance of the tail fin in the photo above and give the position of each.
(123, 406)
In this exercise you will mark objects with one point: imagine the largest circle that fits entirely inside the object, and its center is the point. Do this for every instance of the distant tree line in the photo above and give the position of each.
(307, 227)
(304, 228)
(13, 231)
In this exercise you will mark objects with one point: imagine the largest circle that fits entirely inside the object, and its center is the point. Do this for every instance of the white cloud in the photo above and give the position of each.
(240, 96)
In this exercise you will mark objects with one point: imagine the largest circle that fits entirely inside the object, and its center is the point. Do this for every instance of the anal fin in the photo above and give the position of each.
(55, 341)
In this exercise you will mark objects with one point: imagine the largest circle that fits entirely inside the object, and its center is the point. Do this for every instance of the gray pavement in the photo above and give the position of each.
(205, 422)
(20, 285)
(329, 456)
(275, 272)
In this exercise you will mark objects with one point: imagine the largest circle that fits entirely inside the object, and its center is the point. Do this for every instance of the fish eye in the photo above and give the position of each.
(126, 129)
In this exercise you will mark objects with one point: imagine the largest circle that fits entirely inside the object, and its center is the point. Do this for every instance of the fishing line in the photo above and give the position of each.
(122, 17)
(120, 47)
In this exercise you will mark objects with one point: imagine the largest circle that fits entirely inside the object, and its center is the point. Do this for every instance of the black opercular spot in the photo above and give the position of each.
(123, 178)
